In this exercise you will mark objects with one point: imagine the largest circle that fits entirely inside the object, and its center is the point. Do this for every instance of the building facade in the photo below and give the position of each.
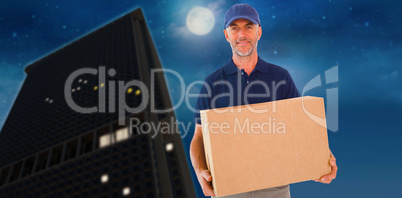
(76, 128)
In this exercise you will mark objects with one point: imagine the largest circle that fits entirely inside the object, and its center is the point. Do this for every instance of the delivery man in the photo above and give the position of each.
(245, 79)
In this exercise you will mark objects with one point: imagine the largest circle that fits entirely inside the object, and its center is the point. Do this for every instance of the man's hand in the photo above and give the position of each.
(205, 178)
(326, 179)
(197, 156)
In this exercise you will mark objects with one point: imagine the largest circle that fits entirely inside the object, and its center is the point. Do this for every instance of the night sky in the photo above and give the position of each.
(362, 38)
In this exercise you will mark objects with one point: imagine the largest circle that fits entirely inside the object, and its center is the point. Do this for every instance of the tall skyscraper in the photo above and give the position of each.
(83, 123)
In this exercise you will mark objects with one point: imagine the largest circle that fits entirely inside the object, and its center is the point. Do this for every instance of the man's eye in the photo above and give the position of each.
(234, 28)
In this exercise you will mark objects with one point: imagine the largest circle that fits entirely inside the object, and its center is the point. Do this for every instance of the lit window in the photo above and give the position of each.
(80, 80)
(169, 147)
(129, 90)
(121, 134)
(78, 88)
(102, 84)
(47, 99)
(85, 81)
(50, 101)
(104, 178)
(72, 90)
(126, 191)
(96, 88)
(104, 140)
(109, 139)
(137, 92)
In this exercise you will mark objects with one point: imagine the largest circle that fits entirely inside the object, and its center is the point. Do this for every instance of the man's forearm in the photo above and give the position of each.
(197, 154)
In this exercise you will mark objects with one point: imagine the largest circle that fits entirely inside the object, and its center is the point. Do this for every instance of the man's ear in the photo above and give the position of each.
(259, 32)
(226, 35)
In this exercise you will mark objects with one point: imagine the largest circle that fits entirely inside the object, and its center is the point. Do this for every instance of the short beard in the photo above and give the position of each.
(236, 50)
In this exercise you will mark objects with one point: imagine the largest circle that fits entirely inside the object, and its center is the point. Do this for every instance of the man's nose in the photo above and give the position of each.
(241, 32)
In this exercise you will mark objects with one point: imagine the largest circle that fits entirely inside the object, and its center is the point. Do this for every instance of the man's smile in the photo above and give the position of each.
(242, 43)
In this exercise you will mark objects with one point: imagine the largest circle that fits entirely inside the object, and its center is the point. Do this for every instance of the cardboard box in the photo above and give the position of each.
(248, 150)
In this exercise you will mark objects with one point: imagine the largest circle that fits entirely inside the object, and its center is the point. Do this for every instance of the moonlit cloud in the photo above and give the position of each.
(217, 7)
(178, 30)
(387, 77)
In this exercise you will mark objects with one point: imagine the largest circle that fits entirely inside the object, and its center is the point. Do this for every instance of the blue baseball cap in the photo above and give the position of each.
(241, 11)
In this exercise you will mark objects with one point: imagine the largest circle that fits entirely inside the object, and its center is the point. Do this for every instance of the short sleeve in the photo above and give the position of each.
(203, 101)
(291, 89)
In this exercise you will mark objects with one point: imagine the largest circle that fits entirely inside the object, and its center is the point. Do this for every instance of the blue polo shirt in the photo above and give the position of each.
(230, 86)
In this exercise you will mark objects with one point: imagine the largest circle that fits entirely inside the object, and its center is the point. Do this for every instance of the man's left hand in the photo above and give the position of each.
(326, 179)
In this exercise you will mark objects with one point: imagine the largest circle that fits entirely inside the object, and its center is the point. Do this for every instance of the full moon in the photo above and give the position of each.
(200, 21)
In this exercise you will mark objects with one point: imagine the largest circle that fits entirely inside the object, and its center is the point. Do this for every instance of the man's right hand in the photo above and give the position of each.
(205, 178)
(197, 156)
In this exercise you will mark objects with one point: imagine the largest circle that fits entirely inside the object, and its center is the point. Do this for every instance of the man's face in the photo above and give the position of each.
(243, 36)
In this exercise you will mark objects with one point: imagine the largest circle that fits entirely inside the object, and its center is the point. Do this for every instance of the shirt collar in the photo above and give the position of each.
(231, 68)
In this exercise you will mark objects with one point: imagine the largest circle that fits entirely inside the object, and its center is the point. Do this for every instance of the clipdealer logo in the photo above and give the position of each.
(331, 78)
(245, 126)
(146, 96)
(332, 102)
